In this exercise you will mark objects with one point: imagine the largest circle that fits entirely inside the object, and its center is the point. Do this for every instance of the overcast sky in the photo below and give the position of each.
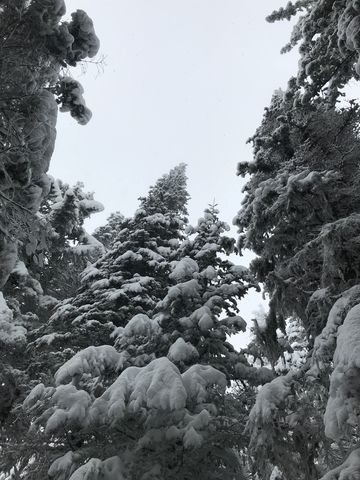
(183, 81)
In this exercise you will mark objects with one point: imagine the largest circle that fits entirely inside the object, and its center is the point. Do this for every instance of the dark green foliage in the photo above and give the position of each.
(300, 206)
(201, 306)
(300, 215)
(327, 33)
(108, 233)
(131, 277)
(30, 71)
(149, 331)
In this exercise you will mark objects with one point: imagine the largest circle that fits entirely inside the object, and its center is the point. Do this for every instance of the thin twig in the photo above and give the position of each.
(17, 204)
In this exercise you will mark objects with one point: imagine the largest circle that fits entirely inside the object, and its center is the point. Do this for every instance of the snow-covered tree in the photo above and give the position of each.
(62, 247)
(300, 216)
(30, 75)
(68, 246)
(200, 287)
(131, 277)
(107, 234)
(48, 271)
(145, 397)
(327, 32)
(298, 200)
(35, 46)
(200, 311)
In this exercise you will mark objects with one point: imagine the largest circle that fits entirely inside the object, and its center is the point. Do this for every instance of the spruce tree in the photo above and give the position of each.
(35, 47)
(201, 307)
(68, 248)
(327, 33)
(106, 234)
(300, 216)
(40, 278)
(130, 278)
(151, 404)
(50, 270)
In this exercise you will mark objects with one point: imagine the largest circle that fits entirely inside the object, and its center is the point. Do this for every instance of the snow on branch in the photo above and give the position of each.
(268, 401)
(325, 343)
(182, 351)
(184, 270)
(164, 402)
(139, 326)
(342, 407)
(10, 333)
(96, 469)
(349, 470)
(70, 96)
(94, 360)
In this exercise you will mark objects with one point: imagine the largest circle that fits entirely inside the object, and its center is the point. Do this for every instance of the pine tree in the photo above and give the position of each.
(108, 233)
(35, 46)
(201, 308)
(130, 278)
(327, 34)
(50, 270)
(300, 216)
(31, 69)
(134, 271)
(152, 404)
(69, 248)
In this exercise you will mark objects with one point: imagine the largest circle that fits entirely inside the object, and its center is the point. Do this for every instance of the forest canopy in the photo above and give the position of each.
(116, 352)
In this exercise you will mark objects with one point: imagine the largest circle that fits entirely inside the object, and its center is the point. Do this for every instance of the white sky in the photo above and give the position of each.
(184, 81)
